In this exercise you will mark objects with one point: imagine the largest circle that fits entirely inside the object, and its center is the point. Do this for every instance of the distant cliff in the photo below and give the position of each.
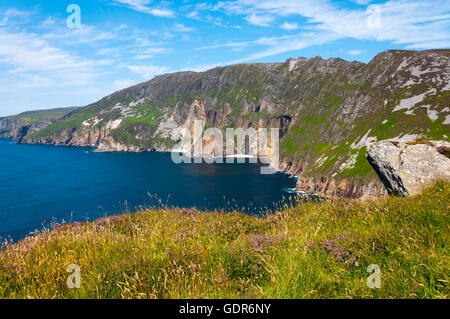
(18, 126)
(329, 111)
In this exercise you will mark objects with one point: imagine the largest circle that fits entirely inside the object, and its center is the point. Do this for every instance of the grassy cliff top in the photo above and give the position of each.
(311, 251)
(39, 115)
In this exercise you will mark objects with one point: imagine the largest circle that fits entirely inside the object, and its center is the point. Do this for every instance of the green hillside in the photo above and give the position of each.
(328, 111)
(31, 117)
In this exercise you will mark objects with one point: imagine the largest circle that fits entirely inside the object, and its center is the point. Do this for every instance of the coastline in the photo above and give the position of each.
(79, 181)
(323, 186)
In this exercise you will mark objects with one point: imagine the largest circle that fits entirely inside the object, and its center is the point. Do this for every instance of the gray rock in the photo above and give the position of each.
(406, 169)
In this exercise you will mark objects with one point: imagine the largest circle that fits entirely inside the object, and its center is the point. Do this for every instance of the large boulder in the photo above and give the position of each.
(407, 168)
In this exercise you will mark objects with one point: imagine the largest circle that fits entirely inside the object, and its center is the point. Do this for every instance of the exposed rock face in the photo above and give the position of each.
(349, 188)
(9, 127)
(14, 129)
(25, 124)
(406, 169)
(334, 188)
(327, 111)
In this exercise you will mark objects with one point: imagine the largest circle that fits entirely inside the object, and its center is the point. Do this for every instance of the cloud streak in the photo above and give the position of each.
(415, 24)
(38, 52)
(147, 71)
(142, 6)
(35, 60)
(401, 21)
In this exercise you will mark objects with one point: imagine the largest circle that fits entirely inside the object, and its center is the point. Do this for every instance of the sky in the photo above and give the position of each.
(54, 57)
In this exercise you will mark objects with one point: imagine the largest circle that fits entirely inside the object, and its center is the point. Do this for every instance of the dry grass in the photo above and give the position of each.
(310, 251)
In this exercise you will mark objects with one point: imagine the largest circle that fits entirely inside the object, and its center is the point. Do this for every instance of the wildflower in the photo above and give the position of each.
(188, 211)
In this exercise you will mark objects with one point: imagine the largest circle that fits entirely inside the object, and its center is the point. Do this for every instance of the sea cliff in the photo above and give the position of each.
(328, 113)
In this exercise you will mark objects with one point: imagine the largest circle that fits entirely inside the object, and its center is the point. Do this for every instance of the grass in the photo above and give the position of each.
(360, 168)
(314, 250)
(36, 116)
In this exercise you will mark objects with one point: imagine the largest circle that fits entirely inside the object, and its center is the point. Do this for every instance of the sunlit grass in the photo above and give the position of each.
(314, 250)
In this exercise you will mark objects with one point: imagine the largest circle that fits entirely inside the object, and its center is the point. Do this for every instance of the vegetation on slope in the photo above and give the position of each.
(31, 117)
(309, 251)
(328, 110)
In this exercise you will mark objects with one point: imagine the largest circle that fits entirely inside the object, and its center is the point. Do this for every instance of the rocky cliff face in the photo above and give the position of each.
(408, 168)
(27, 123)
(9, 127)
(328, 112)
(15, 129)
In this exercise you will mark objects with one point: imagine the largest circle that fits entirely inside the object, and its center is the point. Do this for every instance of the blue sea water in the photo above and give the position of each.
(40, 184)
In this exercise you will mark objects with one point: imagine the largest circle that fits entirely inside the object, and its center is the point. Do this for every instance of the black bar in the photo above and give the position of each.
(260, 308)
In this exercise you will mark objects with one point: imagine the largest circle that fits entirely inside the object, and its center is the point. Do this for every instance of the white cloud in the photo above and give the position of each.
(154, 50)
(150, 53)
(413, 23)
(178, 27)
(85, 34)
(289, 26)
(50, 55)
(120, 27)
(429, 45)
(362, 2)
(14, 14)
(50, 21)
(264, 41)
(259, 20)
(123, 84)
(41, 64)
(54, 66)
(142, 6)
(147, 71)
(299, 42)
(37, 73)
(355, 52)
(112, 52)
(162, 12)
(192, 14)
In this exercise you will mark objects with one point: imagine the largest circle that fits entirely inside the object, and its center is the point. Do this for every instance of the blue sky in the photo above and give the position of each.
(45, 64)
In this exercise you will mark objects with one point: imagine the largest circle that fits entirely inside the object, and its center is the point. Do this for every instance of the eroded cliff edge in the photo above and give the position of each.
(328, 112)
(24, 124)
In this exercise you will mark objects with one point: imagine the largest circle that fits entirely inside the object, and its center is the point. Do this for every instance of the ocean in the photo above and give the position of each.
(43, 184)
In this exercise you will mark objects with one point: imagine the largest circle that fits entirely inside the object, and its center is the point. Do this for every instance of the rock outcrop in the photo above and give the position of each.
(9, 128)
(18, 126)
(407, 168)
(14, 129)
(348, 188)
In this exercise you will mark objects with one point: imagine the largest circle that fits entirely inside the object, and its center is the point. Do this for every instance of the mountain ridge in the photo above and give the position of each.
(328, 111)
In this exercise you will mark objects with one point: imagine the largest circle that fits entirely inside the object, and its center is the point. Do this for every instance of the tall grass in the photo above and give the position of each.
(314, 250)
